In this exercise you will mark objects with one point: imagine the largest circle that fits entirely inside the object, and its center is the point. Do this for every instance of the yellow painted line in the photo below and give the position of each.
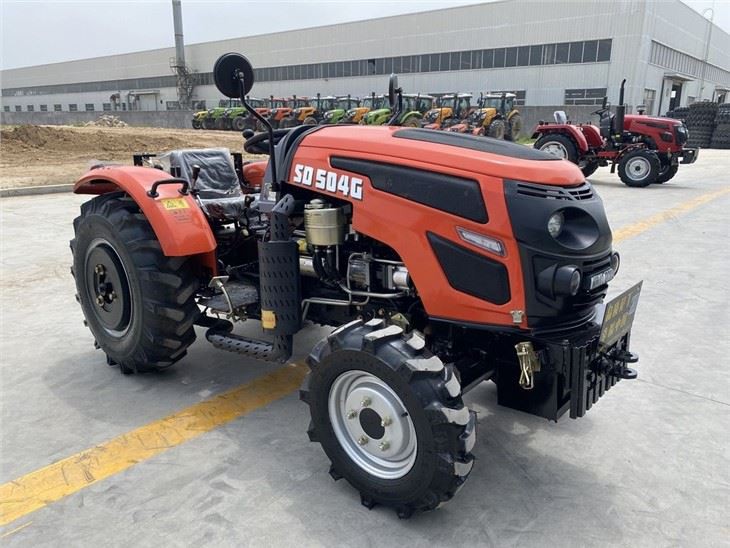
(37, 489)
(13, 531)
(642, 226)
(65, 477)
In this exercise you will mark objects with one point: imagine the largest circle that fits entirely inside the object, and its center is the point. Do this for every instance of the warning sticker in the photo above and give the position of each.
(174, 203)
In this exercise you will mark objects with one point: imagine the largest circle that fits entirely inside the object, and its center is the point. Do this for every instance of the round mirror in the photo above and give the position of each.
(392, 89)
(226, 71)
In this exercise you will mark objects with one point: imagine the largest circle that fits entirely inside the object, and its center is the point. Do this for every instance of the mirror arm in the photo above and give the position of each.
(269, 129)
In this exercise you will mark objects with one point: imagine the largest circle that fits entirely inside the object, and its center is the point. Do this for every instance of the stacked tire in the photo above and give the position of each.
(701, 123)
(721, 133)
(679, 113)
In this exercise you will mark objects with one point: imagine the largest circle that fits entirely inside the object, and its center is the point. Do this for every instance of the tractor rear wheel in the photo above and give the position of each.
(639, 168)
(515, 128)
(413, 121)
(560, 146)
(496, 129)
(138, 303)
(389, 416)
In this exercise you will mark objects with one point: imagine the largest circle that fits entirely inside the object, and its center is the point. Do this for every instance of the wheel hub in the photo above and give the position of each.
(372, 424)
(638, 168)
(108, 287)
(556, 149)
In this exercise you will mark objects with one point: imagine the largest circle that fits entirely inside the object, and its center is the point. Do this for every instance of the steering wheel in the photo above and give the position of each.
(259, 143)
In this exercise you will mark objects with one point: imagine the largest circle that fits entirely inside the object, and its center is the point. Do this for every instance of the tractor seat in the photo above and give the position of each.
(218, 187)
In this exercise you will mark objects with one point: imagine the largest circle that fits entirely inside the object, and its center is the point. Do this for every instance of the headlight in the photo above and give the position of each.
(555, 224)
(328, 115)
(615, 263)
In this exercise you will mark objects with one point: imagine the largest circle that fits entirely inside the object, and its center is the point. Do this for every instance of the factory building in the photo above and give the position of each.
(547, 52)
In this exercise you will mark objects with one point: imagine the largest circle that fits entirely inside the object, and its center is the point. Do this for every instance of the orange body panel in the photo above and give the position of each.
(253, 173)
(402, 224)
(182, 231)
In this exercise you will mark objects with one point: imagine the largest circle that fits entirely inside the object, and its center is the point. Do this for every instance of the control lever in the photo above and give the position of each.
(196, 174)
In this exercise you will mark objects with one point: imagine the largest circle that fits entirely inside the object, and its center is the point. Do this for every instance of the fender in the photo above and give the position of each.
(180, 225)
(572, 131)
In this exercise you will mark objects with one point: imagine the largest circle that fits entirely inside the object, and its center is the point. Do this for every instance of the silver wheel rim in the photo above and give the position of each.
(638, 168)
(556, 149)
(357, 401)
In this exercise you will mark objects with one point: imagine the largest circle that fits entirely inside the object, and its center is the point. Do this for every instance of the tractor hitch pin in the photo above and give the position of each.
(529, 364)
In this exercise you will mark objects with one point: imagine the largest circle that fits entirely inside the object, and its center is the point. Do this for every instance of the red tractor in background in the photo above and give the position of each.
(646, 149)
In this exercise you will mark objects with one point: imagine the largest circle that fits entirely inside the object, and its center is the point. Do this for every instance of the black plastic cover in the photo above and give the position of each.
(482, 144)
(456, 195)
(470, 272)
(280, 288)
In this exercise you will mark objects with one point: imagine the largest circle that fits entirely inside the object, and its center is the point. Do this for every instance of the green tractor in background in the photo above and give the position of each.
(356, 114)
(339, 111)
(238, 118)
(414, 107)
(220, 116)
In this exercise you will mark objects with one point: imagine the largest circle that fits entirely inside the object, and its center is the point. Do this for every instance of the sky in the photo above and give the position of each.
(37, 32)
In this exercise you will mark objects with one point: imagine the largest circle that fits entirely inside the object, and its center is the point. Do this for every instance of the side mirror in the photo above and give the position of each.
(605, 102)
(229, 69)
(392, 90)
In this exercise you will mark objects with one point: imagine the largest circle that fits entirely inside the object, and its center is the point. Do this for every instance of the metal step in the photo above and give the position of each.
(240, 293)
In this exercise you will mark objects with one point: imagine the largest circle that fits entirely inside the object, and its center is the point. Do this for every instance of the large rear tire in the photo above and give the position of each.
(560, 146)
(138, 303)
(639, 168)
(389, 416)
(238, 123)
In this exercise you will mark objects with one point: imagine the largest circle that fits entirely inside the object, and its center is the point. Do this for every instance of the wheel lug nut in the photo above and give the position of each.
(99, 269)
(366, 402)
(384, 445)
(100, 300)
(362, 440)
(112, 296)
(351, 414)
(387, 421)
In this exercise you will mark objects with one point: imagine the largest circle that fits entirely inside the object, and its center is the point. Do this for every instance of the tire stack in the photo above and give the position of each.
(679, 113)
(701, 123)
(721, 135)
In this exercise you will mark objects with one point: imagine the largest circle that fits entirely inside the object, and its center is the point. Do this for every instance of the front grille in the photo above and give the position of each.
(585, 297)
(573, 193)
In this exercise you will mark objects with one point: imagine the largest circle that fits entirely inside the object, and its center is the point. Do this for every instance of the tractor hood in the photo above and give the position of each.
(637, 120)
(434, 149)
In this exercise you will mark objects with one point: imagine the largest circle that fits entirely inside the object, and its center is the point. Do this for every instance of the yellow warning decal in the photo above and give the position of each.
(268, 319)
(174, 203)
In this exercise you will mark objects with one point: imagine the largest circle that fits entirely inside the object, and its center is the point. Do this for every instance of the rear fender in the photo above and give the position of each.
(180, 226)
(570, 130)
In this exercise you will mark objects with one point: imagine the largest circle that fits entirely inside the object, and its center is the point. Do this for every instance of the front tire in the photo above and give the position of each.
(239, 123)
(496, 129)
(639, 168)
(138, 303)
(666, 172)
(197, 124)
(389, 416)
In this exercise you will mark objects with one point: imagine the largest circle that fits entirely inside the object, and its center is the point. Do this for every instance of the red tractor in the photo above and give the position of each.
(440, 260)
(646, 149)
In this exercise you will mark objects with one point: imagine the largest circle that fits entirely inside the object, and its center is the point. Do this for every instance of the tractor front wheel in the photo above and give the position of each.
(496, 129)
(666, 172)
(389, 416)
(197, 124)
(639, 168)
(138, 303)
(238, 123)
(310, 121)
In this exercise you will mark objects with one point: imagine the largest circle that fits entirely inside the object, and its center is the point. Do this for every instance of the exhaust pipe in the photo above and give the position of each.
(620, 111)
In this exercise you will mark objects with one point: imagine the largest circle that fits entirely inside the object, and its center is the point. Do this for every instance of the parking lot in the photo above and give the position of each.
(647, 466)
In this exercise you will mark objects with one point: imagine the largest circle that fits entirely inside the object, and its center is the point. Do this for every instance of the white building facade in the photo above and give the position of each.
(548, 52)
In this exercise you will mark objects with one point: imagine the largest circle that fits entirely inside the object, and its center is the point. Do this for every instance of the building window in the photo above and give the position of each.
(198, 105)
(106, 106)
(44, 108)
(172, 105)
(31, 108)
(6, 108)
(576, 52)
(604, 50)
(499, 55)
(89, 107)
(57, 108)
(510, 59)
(73, 108)
(523, 56)
(18, 108)
(649, 97)
(562, 53)
(585, 96)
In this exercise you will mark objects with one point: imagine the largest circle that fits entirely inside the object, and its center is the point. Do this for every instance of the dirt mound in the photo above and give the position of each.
(107, 120)
(79, 140)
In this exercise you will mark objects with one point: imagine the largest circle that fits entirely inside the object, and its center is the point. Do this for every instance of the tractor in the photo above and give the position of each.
(311, 113)
(452, 109)
(356, 114)
(238, 118)
(340, 109)
(199, 119)
(645, 149)
(497, 117)
(281, 109)
(438, 260)
(414, 107)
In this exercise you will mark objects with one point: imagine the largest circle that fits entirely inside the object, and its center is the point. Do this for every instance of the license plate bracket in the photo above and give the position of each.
(618, 316)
